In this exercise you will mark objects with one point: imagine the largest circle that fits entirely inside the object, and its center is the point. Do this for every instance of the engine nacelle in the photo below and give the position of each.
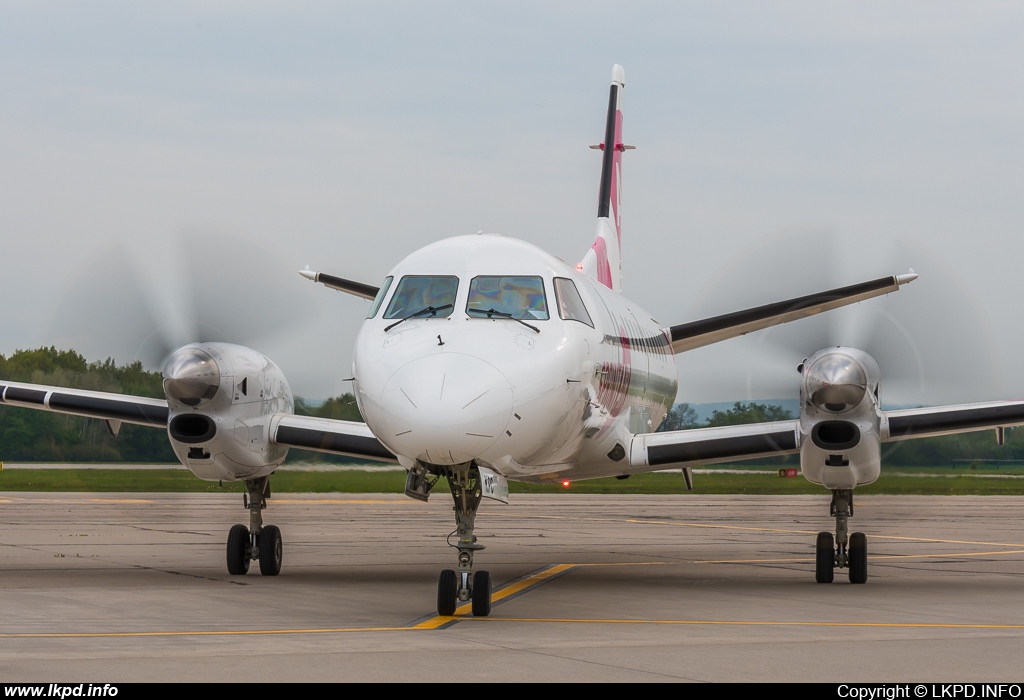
(221, 399)
(840, 440)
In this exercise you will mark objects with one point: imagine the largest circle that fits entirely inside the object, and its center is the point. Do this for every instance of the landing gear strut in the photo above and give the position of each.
(256, 542)
(845, 551)
(464, 586)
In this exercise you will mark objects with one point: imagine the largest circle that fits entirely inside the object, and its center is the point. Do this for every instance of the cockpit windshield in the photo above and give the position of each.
(509, 297)
(417, 294)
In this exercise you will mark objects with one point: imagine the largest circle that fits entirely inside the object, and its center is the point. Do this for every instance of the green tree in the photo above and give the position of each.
(748, 412)
(682, 416)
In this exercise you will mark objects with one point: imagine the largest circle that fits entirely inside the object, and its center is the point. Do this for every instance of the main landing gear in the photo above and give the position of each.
(842, 551)
(462, 586)
(256, 542)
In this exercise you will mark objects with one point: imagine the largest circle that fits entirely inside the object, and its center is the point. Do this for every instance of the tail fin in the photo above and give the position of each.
(603, 260)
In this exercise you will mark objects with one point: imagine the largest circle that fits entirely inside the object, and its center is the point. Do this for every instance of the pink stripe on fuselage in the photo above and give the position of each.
(604, 268)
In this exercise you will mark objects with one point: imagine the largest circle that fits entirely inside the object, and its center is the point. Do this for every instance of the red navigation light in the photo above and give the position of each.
(565, 483)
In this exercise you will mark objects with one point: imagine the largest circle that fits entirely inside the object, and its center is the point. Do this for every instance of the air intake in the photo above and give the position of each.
(835, 435)
(192, 428)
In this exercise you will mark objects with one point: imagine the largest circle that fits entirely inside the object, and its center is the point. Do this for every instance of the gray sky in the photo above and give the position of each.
(781, 148)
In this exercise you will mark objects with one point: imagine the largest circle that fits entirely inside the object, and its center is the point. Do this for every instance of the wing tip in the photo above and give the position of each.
(907, 278)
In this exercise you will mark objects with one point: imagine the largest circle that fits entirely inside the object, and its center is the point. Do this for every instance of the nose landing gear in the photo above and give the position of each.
(256, 542)
(465, 586)
(845, 551)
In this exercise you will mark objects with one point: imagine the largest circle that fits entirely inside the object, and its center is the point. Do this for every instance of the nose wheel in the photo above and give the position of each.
(843, 551)
(256, 542)
(462, 586)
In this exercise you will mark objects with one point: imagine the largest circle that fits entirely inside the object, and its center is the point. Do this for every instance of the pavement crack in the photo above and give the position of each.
(565, 657)
(189, 575)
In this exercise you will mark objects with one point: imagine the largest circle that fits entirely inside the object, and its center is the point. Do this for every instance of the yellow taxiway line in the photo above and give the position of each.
(751, 623)
(523, 584)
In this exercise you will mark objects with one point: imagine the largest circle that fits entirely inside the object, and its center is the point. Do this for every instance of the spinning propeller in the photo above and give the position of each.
(134, 305)
(931, 342)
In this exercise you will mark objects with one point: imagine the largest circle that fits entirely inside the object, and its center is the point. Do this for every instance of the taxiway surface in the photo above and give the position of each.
(133, 587)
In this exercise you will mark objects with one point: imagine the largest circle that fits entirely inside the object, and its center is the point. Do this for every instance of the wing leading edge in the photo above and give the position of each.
(113, 408)
(358, 289)
(696, 334)
(340, 437)
(913, 423)
(653, 451)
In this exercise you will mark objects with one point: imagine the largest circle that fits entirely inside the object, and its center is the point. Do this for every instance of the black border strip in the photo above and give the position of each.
(721, 448)
(604, 202)
(358, 288)
(356, 445)
(740, 318)
(34, 396)
(962, 419)
(110, 409)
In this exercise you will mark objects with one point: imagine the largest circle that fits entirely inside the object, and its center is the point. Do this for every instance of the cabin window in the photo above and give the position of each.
(418, 294)
(508, 297)
(381, 293)
(570, 305)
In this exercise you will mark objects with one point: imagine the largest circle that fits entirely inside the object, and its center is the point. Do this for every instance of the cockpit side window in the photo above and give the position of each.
(509, 297)
(570, 304)
(379, 299)
(416, 294)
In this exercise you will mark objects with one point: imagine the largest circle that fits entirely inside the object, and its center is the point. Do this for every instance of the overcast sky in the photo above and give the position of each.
(782, 148)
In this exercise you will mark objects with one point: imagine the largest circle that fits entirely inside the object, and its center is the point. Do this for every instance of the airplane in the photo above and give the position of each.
(484, 359)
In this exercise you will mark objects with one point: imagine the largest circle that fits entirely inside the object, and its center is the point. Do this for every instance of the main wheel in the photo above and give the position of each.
(481, 594)
(238, 550)
(858, 553)
(824, 558)
(270, 550)
(447, 592)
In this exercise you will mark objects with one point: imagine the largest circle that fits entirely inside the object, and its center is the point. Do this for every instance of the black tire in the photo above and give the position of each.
(238, 550)
(447, 592)
(825, 558)
(481, 594)
(858, 555)
(271, 550)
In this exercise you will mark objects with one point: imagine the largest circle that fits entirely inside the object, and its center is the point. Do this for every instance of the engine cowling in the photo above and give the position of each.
(840, 439)
(222, 398)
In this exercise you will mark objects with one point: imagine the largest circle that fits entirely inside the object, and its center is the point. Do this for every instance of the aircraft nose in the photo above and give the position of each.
(446, 408)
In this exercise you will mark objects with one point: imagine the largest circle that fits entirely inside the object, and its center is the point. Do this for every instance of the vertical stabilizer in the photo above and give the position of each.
(603, 261)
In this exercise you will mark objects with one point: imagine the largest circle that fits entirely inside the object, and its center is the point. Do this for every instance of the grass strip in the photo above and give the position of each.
(939, 482)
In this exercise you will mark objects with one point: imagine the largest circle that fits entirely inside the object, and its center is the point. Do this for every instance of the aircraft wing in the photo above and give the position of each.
(913, 423)
(696, 334)
(340, 437)
(680, 448)
(729, 443)
(321, 434)
(113, 408)
(365, 291)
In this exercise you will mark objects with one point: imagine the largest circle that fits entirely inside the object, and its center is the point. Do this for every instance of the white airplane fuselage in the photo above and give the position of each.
(458, 386)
